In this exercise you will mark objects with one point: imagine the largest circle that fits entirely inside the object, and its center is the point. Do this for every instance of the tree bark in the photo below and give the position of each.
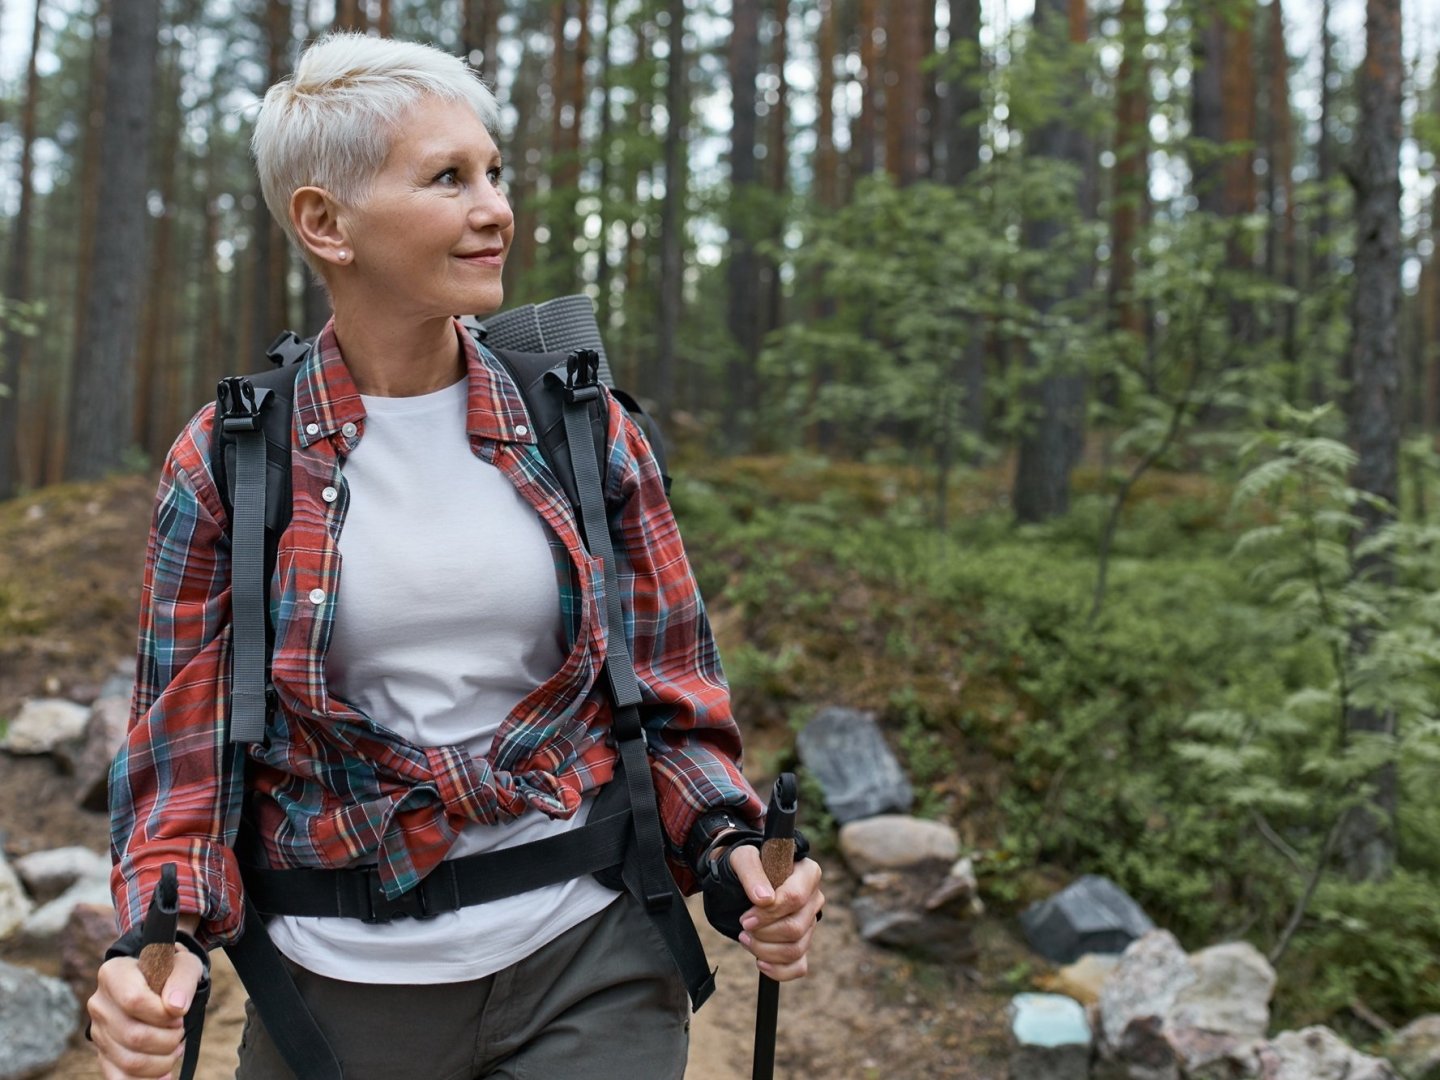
(1207, 111)
(962, 111)
(479, 34)
(672, 215)
(869, 77)
(17, 283)
(271, 309)
(1368, 837)
(1050, 446)
(1132, 174)
(777, 158)
(743, 278)
(101, 410)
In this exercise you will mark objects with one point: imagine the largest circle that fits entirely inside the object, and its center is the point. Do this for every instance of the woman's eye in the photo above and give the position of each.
(448, 176)
(496, 176)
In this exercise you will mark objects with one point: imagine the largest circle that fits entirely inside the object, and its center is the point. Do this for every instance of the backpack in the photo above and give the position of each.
(554, 356)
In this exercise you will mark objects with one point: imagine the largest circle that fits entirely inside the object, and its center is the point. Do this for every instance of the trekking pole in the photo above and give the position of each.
(157, 935)
(777, 855)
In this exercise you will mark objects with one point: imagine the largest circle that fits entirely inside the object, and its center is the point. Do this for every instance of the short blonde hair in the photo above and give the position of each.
(330, 124)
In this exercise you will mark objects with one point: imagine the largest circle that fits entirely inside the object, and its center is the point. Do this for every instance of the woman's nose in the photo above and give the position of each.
(491, 208)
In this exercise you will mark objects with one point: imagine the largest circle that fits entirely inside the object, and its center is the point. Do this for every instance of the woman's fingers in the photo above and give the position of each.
(135, 1032)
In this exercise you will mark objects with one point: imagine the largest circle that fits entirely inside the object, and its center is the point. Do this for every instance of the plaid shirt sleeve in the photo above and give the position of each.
(685, 702)
(171, 798)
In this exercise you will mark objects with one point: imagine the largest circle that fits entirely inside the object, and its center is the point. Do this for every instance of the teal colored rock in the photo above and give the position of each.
(1048, 1020)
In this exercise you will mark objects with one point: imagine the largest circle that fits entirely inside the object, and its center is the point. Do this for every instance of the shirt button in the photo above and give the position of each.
(312, 429)
(521, 429)
(330, 494)
(317, 596)
(349, 431)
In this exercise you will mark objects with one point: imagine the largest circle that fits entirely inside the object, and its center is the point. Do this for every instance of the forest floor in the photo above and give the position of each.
(70, 563)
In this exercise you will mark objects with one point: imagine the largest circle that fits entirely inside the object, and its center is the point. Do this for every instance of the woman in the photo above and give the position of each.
(442, 696)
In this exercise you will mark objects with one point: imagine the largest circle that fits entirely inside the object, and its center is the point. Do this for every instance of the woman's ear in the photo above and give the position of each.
(316, 217)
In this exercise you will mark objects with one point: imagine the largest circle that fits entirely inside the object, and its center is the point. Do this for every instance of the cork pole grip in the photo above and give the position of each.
(156, 963)
(777, 856)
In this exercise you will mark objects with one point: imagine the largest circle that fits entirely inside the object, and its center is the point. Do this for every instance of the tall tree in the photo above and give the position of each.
(1280, 246)
(1050, 444)
(962, 124)
(1207, 103)
(101, 409)
(743, 279)
(672, 222)
(270, 310)
(777, 157)
(17, 281)
(1131, 186)
(1368, 837)
(480, 34)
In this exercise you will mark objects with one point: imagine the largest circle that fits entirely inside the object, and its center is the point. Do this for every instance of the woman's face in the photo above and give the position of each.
(431, 236)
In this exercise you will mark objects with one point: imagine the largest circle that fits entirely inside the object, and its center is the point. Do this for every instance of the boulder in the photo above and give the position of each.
(1317, 1053)
(1084, 979)
(959, 892)
(1415, 1048)
(1051, 1038)
(90, 758)
(46, 923)
(38, 1015)
(45, 724)
(15, 905)
(1230, 995)
(1091, 915)
(47, 874)
(885, 919)
(898, 842)
(89, 931)
(845, 752)
(1147, 981)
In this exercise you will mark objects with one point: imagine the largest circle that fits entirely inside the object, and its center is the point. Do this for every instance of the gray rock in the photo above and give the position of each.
(46, 922)
(887, 921)
(91, 757)
(1231, 994)
(38, 1015)
(845, 752)
(1149, 978)
(15, 905)
(1051, 1037)
(1091, 915)
(47, 874)
(43, 725)
(897, 842)
(959, 892)
(1317, 1053)
(1415, 1048)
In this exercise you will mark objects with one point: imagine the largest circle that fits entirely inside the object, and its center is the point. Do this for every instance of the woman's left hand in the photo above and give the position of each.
(779, 925)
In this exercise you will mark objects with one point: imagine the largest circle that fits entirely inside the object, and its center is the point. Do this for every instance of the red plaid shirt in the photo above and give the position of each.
(330, 786)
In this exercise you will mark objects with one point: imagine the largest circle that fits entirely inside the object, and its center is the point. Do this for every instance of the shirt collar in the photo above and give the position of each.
(326, 398)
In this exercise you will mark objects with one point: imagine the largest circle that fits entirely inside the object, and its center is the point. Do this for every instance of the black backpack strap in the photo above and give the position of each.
(252, 467)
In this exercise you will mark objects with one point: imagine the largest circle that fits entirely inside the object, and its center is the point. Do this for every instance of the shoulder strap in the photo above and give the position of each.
(250, 457)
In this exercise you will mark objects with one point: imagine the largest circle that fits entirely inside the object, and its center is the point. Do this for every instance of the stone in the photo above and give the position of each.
(845, 751)
(898, 842)
(44, 724)
(1091, 915)
(959, 892)
(1084, 979)
(47, 874)
(45, 923)
(1148, 979)
(38, 1015)
(1230, 995)
(1317, 1053)
(15, 904)
(889, 922)
(91, 757)
(1051, 1036)
(88, 932)
(1415, 1048)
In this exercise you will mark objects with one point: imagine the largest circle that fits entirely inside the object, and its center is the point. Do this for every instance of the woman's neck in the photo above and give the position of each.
(387, 358)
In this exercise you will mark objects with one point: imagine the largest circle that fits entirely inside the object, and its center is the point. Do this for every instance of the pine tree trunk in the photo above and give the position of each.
(1280, 248)
(962, 120)
(1207, 110)
(1368, 838)
(743, 277)
(672, 214)
(777, 157)
(101, 410)
(1132, 174)
(17, 282)
(602, 252)
(1051, 443)
(479, 35)
(869, 79)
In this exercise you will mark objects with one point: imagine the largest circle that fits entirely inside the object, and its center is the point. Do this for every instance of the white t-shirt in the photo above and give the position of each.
(448, 614)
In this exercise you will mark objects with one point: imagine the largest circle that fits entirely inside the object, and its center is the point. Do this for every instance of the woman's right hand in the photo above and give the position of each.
(137, 1032)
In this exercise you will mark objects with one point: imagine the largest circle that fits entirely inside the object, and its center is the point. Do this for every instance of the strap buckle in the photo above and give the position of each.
(582, 376)
(414, 903)
(240, 403)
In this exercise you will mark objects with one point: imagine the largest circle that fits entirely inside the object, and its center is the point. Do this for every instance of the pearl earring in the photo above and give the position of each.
(342, 255)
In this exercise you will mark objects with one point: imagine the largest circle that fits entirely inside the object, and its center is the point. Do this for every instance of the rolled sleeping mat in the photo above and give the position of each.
(559, 325)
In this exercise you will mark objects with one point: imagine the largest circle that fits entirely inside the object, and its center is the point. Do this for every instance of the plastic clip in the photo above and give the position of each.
(582, 376)
(240, 403)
